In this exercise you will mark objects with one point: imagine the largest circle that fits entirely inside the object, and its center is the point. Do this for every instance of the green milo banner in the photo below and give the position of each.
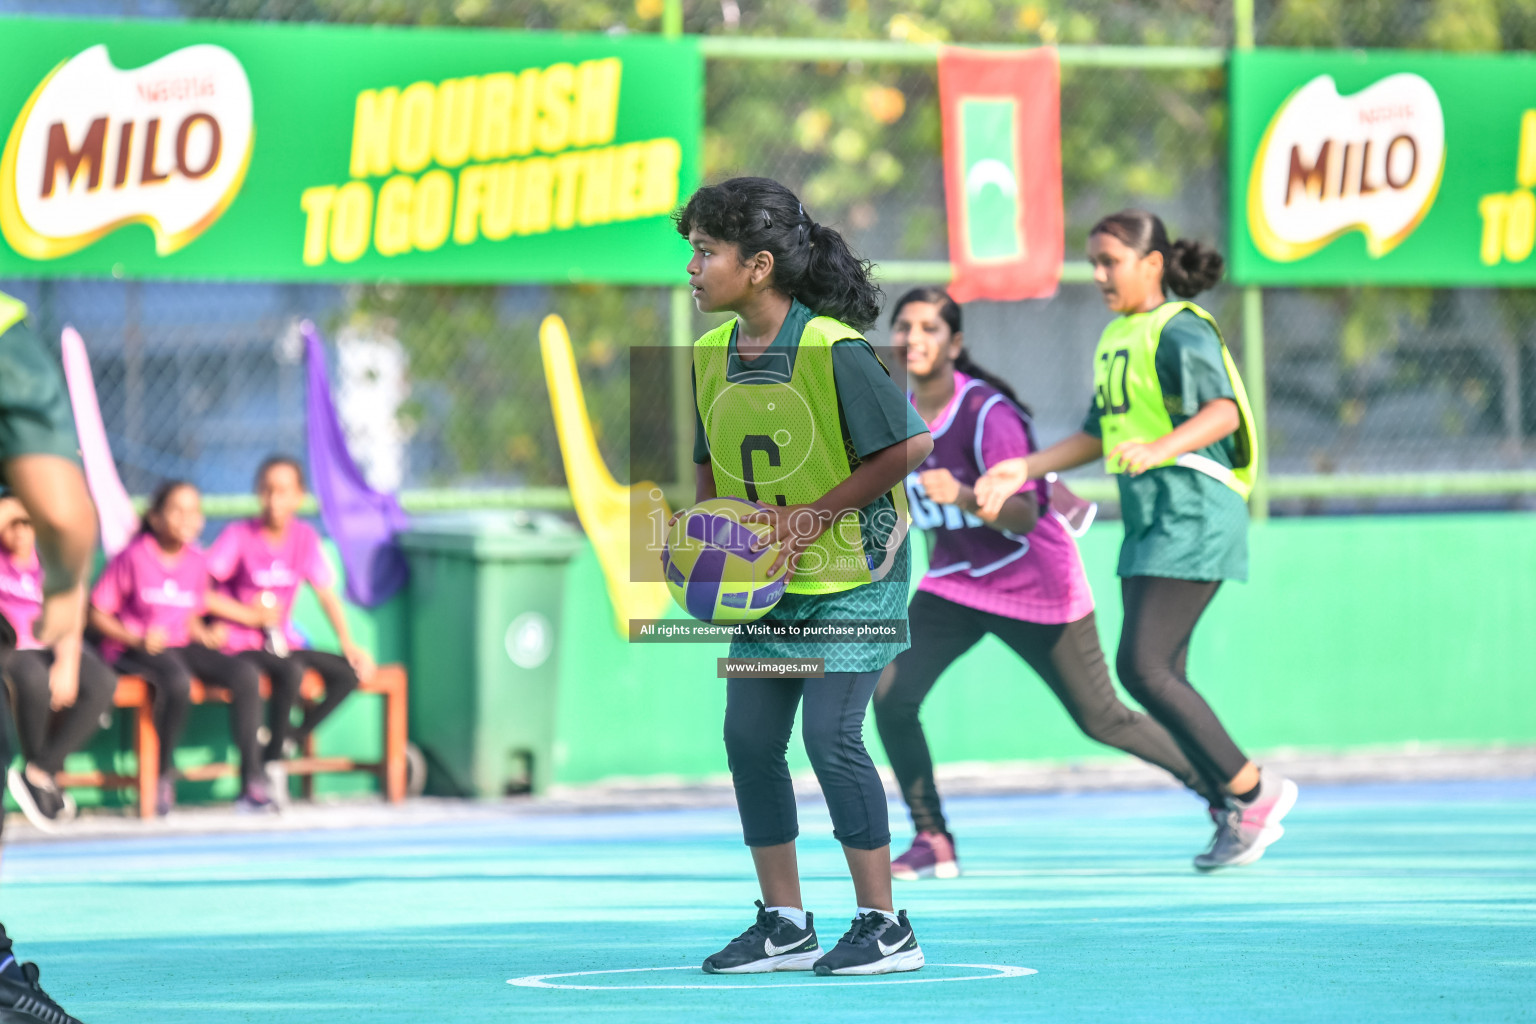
(310, 153)
(1385, 167)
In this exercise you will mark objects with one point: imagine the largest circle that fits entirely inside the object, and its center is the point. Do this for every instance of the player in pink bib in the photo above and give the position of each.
(1016, 575)
(149, 606)
(260, 564)
(47, 737)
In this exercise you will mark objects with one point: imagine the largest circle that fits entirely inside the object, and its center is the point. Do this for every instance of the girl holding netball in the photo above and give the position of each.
(1171, 420)
(1014, 573)
(796, 413)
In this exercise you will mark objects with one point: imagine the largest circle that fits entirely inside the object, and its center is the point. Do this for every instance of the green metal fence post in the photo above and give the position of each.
(681, 339)
(1253, 378)
(1253, 321)
(1242, 24)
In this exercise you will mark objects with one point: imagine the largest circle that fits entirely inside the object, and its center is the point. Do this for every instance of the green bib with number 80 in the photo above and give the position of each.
(1131, 404)
(780, 442)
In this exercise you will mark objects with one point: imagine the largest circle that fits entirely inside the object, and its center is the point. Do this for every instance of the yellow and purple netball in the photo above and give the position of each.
(711, 569)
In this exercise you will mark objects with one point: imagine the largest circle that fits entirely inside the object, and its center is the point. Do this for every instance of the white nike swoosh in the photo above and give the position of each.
(888, 950)
(772, 950)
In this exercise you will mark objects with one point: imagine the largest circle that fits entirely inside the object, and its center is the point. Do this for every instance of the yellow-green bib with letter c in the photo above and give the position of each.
(780, 442)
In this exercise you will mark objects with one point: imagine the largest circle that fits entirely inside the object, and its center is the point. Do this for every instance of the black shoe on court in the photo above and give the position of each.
(42, 803)
(22, 999)
(874, 945)
(773, 943)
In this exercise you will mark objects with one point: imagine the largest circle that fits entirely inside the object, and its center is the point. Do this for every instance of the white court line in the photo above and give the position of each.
(537, 980)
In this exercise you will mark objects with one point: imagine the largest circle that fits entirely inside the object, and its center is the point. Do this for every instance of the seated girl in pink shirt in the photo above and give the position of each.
(149, 606)
(260, 564)
(47, 733)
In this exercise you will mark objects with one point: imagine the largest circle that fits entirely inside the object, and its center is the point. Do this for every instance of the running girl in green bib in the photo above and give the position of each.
(1171, 420)
(797, 414)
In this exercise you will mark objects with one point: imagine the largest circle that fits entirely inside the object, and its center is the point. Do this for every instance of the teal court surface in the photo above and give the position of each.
(1382, 903)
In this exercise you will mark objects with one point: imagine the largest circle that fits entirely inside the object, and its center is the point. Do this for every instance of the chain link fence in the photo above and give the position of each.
(443, 387)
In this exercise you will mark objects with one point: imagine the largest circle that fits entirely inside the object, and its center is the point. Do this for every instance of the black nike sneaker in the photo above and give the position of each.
(874, 945)
(42, 804)
(22, 999)
(773, 943)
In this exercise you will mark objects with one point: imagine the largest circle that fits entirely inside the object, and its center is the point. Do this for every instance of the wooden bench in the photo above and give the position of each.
(133, 692)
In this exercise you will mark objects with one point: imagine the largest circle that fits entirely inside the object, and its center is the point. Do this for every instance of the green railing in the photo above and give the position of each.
(1267, 488)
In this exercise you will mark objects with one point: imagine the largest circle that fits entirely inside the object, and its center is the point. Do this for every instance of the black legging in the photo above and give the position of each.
(1067, 657)
(286, 676)
(170, 673)
(1160, 617)
(47, 738)
(7, 639)
(5, 756)
(759, 716)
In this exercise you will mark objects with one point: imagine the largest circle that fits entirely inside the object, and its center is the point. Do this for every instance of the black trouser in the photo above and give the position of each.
(286, 675)
(759, 716)
(46, 738)
(5, 743)
(1160, 617)
(1067, 657)
(170, 673)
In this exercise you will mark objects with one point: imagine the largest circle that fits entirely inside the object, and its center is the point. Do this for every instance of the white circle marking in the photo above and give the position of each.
(538, 980)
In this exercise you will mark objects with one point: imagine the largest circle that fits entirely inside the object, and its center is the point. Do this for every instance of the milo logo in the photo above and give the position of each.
(1331, 164)
(97, 147)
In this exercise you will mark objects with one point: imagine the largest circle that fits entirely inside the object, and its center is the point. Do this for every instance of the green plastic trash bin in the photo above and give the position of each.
(485, 597)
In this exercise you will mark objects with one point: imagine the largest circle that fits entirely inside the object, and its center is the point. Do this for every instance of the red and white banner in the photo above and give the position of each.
(1002, 172)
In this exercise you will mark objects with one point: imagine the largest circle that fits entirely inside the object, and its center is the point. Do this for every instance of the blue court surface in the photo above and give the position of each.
(1382, 903)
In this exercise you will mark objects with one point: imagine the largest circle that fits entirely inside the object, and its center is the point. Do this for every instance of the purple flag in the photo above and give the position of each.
(361, 521)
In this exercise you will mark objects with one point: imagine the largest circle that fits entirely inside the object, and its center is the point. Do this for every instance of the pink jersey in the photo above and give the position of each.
(246, 564)
(148, 589)
(1035, 577)
(21, 597)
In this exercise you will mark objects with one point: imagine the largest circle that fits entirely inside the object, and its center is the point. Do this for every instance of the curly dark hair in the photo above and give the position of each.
(811, 262)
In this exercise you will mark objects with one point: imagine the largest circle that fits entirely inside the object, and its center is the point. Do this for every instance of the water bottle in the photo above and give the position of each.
(277, 640)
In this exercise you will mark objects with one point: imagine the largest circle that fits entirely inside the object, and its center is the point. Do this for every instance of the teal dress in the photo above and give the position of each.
(1180, 523)
(875, 415)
